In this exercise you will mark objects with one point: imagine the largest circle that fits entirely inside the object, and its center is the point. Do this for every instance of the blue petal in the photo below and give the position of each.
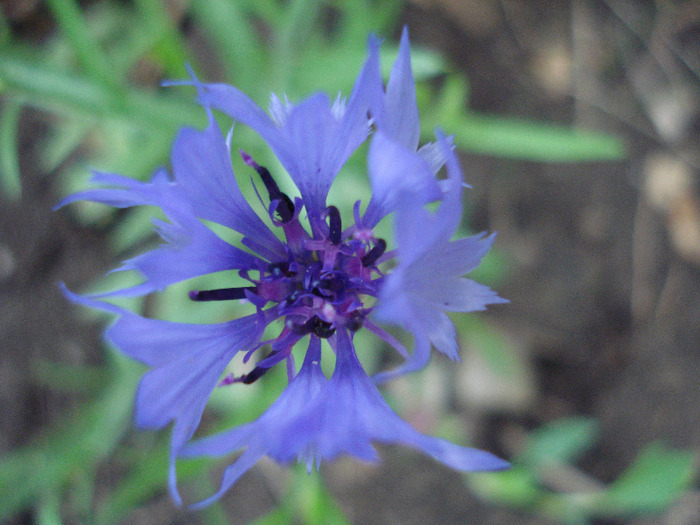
(449, 214)
(157, 343)
(400, 120)
(353, 414)
(128, 192)
(181, 387)
(316, 419)
(311, 133)
(457, 257)
(423, 286)
(191, 250)
(313, 142)
(187, 361)
(432, 154)
(277, 433)
(204, 175)
(439, 329)
(204, 187)
(418, 231)
(418, 359)
(393, 169)
(454, 295)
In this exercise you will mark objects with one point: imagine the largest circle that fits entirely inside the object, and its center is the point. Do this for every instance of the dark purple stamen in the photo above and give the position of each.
(332, 285)
(302, 328)
(285, 206)
(314, 325)
(323, 329)
(222, 294)
(251, 376)
(356, 320)
(279, 269)
(375, 253)
(334, 224)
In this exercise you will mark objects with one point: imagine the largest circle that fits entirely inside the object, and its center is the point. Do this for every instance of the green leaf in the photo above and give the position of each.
(307, 501)
(169, 48)
(564, 508)
(10, 180)
(234, 42)
(5, 32)
(279, 516)
(513, 137)
(510, 137)
(49, 509)
(291, 37)
(657, 477)
(72, 23)
(57, 90)
(561, 441)
(315, 503)
(379, 17)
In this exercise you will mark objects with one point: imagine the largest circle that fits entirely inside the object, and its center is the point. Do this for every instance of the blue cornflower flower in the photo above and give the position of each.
(324, 281)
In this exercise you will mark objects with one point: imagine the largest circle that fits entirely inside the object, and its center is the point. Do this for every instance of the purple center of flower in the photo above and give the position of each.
(319, 288)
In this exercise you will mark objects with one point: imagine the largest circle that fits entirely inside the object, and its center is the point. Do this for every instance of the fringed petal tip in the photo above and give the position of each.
(90, 300)
(193, 81)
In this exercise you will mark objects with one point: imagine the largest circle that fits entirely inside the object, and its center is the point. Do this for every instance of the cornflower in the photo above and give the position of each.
(319, 280)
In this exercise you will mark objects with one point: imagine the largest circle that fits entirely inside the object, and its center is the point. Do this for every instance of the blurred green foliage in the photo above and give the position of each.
(544, 480)
(97, 78)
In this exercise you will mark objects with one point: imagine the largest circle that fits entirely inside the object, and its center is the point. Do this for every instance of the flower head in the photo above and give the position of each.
(322, 283)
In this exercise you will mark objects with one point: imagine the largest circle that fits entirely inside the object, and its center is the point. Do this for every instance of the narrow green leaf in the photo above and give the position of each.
(169, 49)
(235, 43)
(307, 501)
(563, 508)
(313, 502)
(140, 484)
(74, 26)
(516, 138)
(379, 17)
(279, 516)
(10, 179)
(290, 37)
(5, 32)
(49, 509)
(147, 478)
(269, 12)
(65, 92)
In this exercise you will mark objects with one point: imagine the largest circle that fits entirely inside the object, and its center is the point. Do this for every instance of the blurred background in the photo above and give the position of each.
(577, 125)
